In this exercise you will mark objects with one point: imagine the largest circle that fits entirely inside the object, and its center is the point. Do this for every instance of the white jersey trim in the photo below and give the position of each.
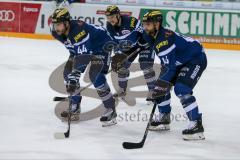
(122, 37)
(163, 53)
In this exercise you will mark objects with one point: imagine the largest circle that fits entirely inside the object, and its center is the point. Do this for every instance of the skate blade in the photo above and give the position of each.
(161, 127)
(109, 123)
(196, 136)
(59, 136)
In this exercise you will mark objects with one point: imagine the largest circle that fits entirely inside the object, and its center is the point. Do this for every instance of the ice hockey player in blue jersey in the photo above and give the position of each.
(127, 32)
(87, 44)
(183, 61)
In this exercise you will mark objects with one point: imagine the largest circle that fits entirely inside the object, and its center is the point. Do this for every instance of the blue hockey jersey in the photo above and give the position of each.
(84, 38)
(174, 50)
(130, 30)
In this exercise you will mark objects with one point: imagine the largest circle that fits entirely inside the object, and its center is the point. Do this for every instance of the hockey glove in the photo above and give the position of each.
(118, 61)
(73, 82)
(161, 89)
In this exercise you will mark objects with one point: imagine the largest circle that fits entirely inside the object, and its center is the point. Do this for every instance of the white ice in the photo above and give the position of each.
(28, 122)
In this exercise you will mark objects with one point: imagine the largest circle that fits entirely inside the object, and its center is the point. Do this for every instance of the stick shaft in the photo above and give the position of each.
(149, 123)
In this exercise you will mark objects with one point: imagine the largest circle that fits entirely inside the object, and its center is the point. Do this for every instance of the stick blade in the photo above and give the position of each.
(60, 99)
(60, 135)
(130, 145)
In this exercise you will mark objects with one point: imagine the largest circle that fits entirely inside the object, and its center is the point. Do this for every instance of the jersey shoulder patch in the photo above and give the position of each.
(78, 31)
(165, 40)
(162, 44)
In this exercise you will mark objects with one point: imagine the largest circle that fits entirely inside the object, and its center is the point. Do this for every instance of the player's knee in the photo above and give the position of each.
(92, 76)
(146, 65)
(123, 72)
(182, 89)
(97, 80)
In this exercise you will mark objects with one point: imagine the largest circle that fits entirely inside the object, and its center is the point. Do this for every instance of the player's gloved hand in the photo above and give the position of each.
(73, 82)
(161, 89)
(118, 61)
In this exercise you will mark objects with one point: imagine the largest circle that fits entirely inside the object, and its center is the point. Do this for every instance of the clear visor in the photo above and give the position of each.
(54, 26)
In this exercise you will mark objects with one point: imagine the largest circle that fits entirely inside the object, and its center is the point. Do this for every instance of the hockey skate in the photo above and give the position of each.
(194, 131)
(109, 117)
(162, 123)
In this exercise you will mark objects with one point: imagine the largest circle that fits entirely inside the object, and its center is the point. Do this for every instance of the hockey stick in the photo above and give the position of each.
(164, 88)
(60, 99)
(60, 135)
(132, 145)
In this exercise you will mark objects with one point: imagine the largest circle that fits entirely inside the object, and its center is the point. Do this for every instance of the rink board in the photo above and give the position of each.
(210, 26)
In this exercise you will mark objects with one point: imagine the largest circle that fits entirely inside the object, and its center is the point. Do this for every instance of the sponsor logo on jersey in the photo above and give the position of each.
(195, 72)
(161, 44)
(143, 56)
(132, 24)
(7, 16)
(79, 35)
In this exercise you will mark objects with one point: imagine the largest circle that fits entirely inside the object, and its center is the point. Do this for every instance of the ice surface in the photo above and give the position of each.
(28, 122)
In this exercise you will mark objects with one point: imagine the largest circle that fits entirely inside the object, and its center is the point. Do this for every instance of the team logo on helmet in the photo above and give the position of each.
(60, 15)
(111, 10)
(152, 16)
